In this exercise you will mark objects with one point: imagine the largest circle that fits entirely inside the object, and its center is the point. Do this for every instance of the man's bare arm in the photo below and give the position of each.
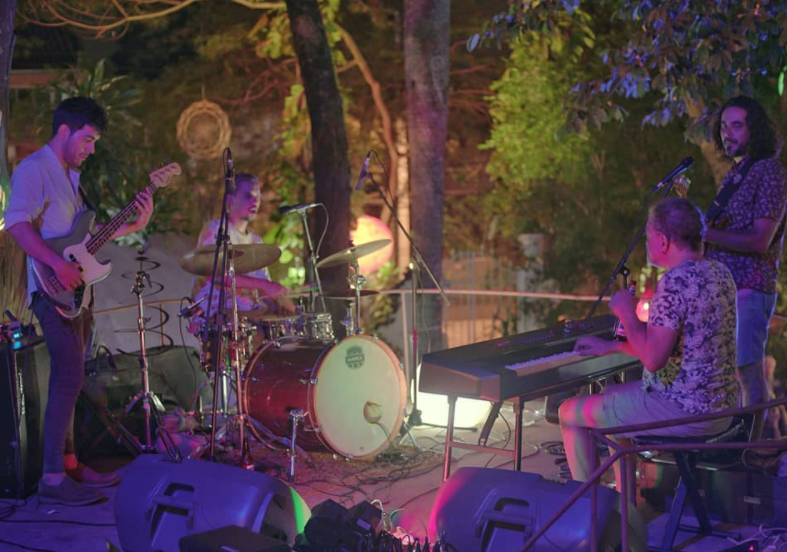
(756, 241)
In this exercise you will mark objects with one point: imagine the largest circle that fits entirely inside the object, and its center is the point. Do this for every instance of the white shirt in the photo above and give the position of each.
(248, 299)
(45, 195)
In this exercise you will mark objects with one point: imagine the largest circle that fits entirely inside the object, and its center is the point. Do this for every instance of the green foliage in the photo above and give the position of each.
(685, 55)
(116, 172)
(529, 151)
(582, 191)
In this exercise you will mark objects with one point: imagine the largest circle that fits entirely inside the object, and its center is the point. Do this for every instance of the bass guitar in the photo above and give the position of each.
(80, 246)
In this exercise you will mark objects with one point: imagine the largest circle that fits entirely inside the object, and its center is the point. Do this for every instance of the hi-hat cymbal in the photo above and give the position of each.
(350, 254)
(247, 258)
(348, 293)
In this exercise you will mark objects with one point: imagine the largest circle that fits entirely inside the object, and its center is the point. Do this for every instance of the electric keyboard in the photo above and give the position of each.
(530, 364)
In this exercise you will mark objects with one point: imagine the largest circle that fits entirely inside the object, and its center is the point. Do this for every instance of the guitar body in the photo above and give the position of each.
(72, 247)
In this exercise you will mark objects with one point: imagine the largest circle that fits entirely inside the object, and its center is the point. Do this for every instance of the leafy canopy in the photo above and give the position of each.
(688, 54)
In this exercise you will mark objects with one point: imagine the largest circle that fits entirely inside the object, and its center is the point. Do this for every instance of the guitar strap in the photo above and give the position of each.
(723, 197)
(88, 203)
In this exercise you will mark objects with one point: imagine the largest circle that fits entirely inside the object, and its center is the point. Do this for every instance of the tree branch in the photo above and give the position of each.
(63, 14)
(382, 109)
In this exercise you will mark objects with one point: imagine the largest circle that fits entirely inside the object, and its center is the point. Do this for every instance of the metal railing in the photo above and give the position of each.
(621, 454)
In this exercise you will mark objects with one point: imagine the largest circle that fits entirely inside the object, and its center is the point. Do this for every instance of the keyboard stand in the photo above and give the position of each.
(450, 444)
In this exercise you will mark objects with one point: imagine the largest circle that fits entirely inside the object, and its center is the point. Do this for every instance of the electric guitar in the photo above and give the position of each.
(80, 246)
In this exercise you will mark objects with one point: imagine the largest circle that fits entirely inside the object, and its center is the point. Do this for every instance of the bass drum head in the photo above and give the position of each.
(359, 398)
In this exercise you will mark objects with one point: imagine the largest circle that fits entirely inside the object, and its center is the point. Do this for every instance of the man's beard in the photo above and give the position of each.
(734, 149)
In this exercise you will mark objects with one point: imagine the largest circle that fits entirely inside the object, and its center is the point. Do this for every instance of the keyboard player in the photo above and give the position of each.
(687, 346)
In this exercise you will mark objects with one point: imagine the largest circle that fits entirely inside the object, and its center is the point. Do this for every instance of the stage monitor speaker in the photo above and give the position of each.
(231, 539)
(24, 387)
(493, 510)
(160, 501)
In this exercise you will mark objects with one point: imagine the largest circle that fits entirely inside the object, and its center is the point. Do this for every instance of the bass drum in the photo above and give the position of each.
(353, 393)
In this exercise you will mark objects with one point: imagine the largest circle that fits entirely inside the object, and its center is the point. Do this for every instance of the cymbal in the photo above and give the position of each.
(348, 293)
(347, 256)
(247, 257)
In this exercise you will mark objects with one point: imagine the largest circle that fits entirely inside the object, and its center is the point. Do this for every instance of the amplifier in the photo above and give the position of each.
(24, 387)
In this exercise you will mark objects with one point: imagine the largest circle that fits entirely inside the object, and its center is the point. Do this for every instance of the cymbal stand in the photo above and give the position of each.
(146, 396)
(357, 281)
(296, 416)
(235, 345)
(312, 264)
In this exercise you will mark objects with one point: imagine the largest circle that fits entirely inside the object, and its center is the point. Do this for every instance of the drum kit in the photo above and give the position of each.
(286, 380)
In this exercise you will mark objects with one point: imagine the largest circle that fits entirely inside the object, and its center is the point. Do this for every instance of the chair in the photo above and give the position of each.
(688, 487)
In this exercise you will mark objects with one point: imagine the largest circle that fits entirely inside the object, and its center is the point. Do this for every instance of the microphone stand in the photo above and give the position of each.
(312, 265)
(639, 231)
(222, 240)
(418, 261)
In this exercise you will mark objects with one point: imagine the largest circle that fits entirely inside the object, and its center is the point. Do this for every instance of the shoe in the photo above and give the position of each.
(91, 478)
(69, 493)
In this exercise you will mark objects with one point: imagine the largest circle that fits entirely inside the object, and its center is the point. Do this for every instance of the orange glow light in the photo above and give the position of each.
(371, 229)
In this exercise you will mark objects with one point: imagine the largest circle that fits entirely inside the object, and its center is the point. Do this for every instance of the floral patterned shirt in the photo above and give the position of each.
(697, 299)
(762, 194)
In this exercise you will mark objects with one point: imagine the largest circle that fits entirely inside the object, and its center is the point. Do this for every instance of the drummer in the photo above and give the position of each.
(255, 290)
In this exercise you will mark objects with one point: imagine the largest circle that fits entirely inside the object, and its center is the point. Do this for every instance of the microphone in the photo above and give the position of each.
(230, 176)
(191, 310)
(362, 176)
(680, 169)
(297, 208)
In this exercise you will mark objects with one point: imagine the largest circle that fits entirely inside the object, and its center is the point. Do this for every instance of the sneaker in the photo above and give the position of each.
(69, 493)
(91, 478)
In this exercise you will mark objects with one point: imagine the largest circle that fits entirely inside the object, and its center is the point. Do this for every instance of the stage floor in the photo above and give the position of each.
(405, 484)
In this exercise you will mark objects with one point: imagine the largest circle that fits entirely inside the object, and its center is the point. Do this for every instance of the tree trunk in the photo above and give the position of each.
(12, 259)
(426, 70)
(7, 8)
(329, 139)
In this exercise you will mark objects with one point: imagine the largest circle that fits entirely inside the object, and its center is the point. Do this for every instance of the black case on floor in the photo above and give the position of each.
(24, 386)
(232, 538)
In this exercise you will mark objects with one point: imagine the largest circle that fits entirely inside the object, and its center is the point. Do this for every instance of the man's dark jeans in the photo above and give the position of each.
(65, 340)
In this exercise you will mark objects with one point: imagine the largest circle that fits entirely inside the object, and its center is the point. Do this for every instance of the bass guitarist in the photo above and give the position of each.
(45, 202)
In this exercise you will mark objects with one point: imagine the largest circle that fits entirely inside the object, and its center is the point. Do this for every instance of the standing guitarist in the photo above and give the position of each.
(746, 232)
(45, 201)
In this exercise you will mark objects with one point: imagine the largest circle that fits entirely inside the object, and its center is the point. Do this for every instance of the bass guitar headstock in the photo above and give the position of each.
(162, 176)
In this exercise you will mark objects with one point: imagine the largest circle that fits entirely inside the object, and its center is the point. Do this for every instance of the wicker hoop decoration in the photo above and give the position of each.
(204, 130)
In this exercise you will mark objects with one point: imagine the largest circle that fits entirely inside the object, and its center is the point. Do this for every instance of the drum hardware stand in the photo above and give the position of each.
(146, 396)
(221, 374)
(406, 431)
(255, 428)
(222, 241)
(418, 261)
(313, 256)
(296, 416)
(235, 345)
(357, 281)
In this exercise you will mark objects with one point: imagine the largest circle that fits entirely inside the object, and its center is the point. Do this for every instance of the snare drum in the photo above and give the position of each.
(353, 393)
(246, 335)
(311, 326)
